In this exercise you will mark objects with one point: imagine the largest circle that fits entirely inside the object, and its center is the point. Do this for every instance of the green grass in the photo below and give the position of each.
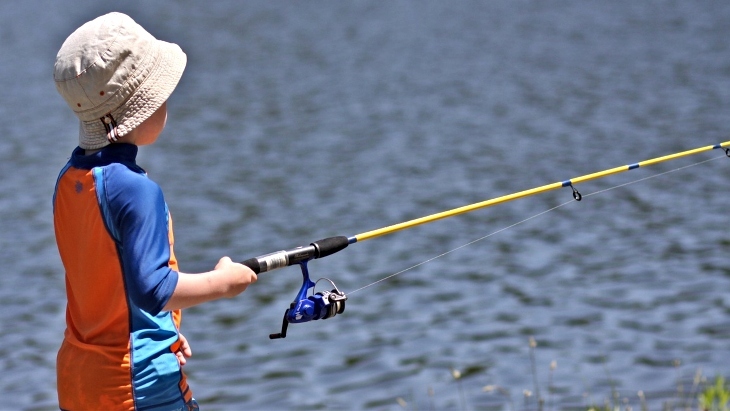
(702, 394)
(715, 397)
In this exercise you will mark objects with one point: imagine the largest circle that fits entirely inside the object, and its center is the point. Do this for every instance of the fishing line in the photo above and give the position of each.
(653, 176)
(528, 219)
(462, 246)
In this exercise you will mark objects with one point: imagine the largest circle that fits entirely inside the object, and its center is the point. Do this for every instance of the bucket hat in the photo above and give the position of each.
(113, 74)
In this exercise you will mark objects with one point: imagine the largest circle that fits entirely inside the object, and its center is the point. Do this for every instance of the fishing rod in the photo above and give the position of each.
(309, 306)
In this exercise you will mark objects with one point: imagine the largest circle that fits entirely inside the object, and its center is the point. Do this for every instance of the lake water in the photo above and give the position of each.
(302, 120)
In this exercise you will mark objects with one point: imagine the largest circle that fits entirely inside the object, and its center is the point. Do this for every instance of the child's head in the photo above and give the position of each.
(115, 75)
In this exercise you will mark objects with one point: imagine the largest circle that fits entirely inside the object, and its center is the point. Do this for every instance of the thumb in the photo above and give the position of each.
(223, 262)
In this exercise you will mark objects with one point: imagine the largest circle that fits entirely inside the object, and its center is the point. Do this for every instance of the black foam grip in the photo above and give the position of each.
(253, 264)
(330, 245)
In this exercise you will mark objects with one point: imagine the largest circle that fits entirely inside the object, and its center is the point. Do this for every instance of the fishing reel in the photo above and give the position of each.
(317, 306)
(305, 307)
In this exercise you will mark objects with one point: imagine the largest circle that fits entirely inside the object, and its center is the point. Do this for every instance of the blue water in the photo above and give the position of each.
(302, 120)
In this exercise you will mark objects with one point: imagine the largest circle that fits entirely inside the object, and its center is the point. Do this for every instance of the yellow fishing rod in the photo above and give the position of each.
(526, 193)
(327, 304)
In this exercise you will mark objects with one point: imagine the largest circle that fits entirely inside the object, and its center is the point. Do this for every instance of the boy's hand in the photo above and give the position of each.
(184, 352)
(238, 276)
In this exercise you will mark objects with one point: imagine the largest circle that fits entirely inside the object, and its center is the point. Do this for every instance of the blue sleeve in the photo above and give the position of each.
(140, 216)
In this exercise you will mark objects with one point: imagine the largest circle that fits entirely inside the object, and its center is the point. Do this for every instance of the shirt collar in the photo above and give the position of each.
(113, 153)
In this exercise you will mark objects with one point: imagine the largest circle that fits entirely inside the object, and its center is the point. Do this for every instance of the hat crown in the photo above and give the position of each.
(102, 63)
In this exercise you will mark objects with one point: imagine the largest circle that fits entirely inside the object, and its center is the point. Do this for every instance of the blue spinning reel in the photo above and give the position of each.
(318, 306)
(305, 307)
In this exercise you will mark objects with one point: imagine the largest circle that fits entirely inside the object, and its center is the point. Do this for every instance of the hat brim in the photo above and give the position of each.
(151, 94)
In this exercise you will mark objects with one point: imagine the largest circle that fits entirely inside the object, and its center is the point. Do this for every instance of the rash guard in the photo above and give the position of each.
(114, 236)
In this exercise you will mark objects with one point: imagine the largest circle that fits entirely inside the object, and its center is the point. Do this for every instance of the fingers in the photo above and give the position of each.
(252, 275)
(184, 351)
(185, 346)
(181, 358)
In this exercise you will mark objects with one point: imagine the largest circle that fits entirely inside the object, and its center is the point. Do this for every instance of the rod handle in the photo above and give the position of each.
(330, 245)
(253, 264)
(280, 259)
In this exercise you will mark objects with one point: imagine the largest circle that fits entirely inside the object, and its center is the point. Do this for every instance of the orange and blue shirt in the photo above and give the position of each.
(114, 235)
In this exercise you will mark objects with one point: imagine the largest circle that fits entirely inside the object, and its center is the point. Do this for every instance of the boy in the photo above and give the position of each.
(122, 349)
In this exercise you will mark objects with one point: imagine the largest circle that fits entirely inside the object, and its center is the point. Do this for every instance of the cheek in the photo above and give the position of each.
(158, 122)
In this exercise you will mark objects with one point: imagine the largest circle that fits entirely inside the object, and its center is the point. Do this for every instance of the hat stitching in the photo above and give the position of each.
(120, 91)
(130, 77)
(135, 91)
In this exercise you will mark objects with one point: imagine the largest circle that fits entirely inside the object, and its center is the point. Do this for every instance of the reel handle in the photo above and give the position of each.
(284, 326)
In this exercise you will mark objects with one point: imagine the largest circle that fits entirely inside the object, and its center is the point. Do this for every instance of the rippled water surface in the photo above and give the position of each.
(302, 120)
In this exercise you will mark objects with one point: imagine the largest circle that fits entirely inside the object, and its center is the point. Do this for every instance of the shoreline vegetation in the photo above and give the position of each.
(701, 393)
